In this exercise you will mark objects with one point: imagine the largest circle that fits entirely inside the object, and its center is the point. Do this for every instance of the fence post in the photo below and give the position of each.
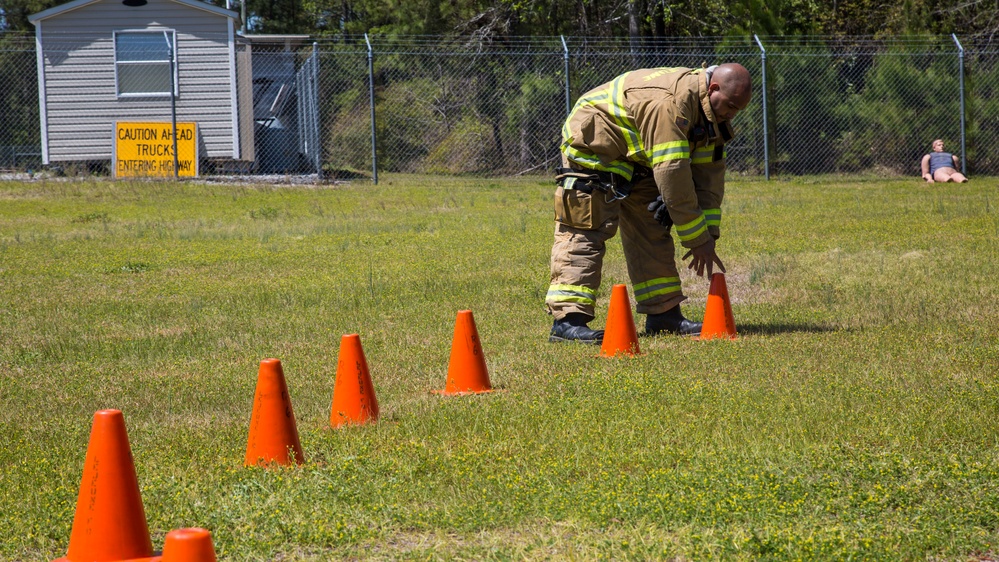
(565, 60)
(171, 53)
(960, 66)
(314, 111)
(371, 99)
(766, 134)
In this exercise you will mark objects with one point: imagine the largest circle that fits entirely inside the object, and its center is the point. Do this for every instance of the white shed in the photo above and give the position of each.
(104, 61)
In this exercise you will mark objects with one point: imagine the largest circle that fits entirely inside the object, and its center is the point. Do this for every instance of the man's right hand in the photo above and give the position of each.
(704, 257)
(660, 212)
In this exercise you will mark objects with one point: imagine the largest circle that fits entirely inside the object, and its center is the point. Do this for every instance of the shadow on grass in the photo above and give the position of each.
(782, 328)
(774, 329)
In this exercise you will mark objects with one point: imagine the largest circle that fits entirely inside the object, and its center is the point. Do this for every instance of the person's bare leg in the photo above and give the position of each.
(943, 175)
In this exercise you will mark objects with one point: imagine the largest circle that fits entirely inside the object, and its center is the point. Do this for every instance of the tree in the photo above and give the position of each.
(14, 13)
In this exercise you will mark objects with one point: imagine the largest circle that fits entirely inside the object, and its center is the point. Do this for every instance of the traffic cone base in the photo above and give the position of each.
(273, 434)
(150, 559)
(354, 400)
(718, 319)
(466, 369)
(620, 335)
(110, 523)
(189, 545)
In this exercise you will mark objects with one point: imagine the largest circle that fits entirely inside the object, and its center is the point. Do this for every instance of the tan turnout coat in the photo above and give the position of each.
(659, 118)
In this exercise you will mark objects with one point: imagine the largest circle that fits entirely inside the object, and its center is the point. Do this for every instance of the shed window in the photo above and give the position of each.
(142, 62)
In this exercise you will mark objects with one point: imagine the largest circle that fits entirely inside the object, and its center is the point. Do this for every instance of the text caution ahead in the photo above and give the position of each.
(145, 150)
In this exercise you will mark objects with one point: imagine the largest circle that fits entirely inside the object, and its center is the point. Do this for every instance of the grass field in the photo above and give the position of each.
(856, 417)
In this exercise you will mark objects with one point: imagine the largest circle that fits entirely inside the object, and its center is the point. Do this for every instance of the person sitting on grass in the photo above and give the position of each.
(940, 166)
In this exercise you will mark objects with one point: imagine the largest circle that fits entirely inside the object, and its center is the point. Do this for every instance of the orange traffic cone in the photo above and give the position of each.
(466, 370)
(620, 335)
(110, 523)
(354, 399)
(188, 545)
(718, 319)
(273, 433)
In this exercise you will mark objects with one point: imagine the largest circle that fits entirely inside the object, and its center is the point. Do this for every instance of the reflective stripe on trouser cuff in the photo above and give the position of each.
(571, 293)
(712, 217)
(655, 287)
(692, 229)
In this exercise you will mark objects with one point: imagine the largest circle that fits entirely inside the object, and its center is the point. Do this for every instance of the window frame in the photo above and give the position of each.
(118, 63)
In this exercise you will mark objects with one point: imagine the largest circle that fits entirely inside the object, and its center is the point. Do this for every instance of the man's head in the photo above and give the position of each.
(938, 145)
(730, 90)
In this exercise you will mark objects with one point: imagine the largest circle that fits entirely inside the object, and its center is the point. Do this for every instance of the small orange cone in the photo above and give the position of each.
(273, 433)
(718, 319)
(620, 335)
(354, 399)
(188, 545)
(466, 369)
(110, 523)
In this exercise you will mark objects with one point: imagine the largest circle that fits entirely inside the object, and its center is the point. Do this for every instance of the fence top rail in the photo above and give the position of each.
(700, 46)
(705, 45)
(16, 40)
(980, 44)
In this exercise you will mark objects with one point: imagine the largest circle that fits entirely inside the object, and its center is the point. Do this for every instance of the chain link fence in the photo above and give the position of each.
(20, 144)
(354, 106)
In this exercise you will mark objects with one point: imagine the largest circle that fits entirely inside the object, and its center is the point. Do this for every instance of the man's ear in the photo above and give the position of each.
(714, 87)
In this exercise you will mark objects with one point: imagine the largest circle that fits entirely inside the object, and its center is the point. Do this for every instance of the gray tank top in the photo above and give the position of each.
(940, 160)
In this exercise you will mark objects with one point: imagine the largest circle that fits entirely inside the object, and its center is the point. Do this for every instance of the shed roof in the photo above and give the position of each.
(76, 4)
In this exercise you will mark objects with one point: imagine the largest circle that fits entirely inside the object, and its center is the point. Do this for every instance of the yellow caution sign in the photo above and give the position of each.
(145, 150)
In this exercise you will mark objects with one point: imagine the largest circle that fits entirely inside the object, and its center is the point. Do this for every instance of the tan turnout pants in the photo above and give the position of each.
(584, 222)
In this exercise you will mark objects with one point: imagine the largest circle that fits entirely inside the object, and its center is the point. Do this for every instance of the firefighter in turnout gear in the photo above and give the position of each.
(646, 153)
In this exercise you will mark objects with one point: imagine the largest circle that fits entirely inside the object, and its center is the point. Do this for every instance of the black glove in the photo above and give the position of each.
(660, 212)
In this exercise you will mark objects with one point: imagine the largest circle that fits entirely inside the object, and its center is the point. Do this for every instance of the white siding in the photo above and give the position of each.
(81, 100)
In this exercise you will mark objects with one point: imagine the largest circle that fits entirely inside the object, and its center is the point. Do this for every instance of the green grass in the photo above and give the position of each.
(856, 417)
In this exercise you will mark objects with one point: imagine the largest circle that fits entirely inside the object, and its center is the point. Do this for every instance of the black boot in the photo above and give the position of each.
(671, 322)
(573, 328)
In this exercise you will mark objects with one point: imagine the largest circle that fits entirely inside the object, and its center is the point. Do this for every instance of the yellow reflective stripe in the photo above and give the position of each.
(712, 217)
(613, 98)
(571, 293)
(615, 106)
(655, 287)
(593, 162)
(669, 151)
(594, 99)
(704, 155)
(692, 229)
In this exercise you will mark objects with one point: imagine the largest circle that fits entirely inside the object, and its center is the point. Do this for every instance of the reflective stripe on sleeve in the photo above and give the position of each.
(692, 229)
(704, 155)
(669, 151)
(655, 287)
(571, 293)
(712, 217)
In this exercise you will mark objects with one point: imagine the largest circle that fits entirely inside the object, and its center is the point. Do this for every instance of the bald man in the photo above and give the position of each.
(644, 152)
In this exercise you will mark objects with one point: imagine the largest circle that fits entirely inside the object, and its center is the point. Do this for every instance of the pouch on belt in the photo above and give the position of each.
(577, 204)
(582, 195)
